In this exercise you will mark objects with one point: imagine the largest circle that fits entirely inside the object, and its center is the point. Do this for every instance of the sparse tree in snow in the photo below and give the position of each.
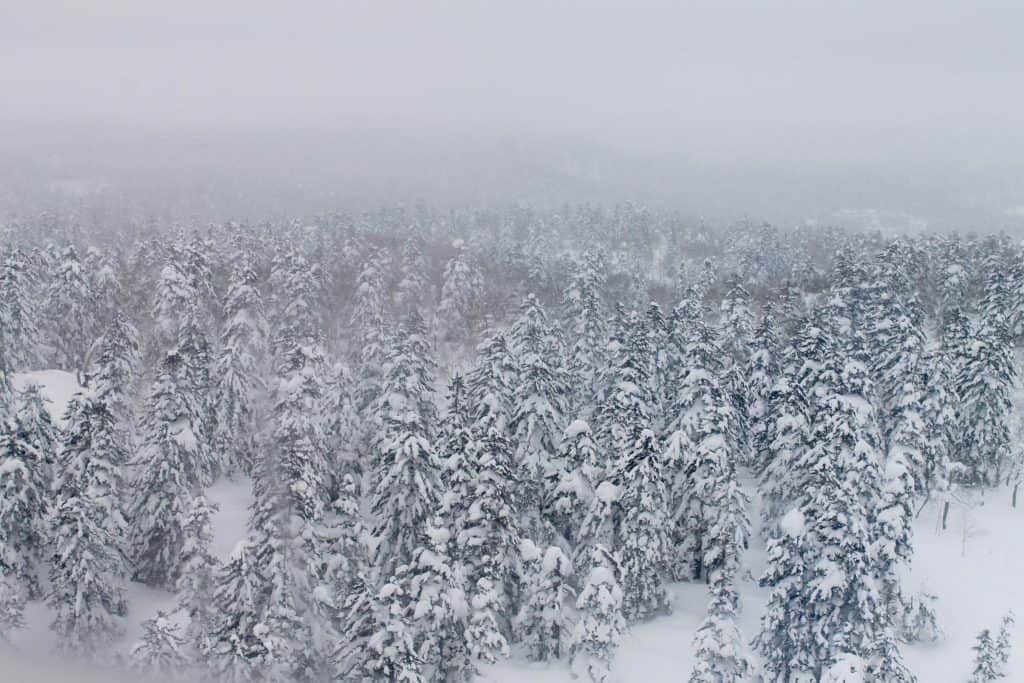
(987, 664)
(161, 650)
(12, 609)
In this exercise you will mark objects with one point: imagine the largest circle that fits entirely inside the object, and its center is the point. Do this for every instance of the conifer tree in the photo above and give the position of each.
(582, 469)
(242, 345)
(406, 467)
(236, 650)
(12, 609)
(486, 525)
(984, 382)
(583, 313)
(458, 309)
(87, 572)
(601, 625)
(437, 609)
(413, 289)
(643, 529)
(115, 363)
(987, 666)
(368, 331)
(721, 652)
(19, 333)
(196, 582)
(70, 309)
(173, 463)
(539, 417)
(543, 623)
(490, 386)
(762, 371)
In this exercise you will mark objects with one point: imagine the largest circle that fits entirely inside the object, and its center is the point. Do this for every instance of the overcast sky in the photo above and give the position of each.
(937, 84)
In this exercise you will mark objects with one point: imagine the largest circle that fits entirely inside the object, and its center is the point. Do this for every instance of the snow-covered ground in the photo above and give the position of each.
(975, 566)
(978, 579)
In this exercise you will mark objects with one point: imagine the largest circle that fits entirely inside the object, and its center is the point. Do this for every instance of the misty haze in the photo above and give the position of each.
(515, 342)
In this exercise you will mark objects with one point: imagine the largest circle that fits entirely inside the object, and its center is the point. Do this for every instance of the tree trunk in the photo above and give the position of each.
(945, 514)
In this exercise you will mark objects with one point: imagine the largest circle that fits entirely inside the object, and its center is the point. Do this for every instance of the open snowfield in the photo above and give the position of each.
(974, 566)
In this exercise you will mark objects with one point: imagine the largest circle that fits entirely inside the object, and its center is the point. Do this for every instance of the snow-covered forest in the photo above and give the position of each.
(412, 445)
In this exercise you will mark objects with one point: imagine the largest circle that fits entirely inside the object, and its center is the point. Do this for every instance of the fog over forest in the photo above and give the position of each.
(898, 116)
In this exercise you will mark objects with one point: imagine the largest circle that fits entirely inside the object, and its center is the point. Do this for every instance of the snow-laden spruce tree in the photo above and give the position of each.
(661, 359)
(88, 568)
(544, 623)
(762, 371)
(184, 291)
(12, 609)
(341, 424)
(988, 660)
(539, 415)
(413, 291)
(437, 611)
(490, 385)
(459, 307)
(172, 463)
(721, 651)
(194, 380)
(368, 331)
(700, 447)
(235, 647)
(485, 518)
(70, 310)
(582, 467)
(27, 446)
(115, 364)
(583, 318)
(406, 470)
(19, 324)
(197, 579)
(984, 384)
(626, 396)
(643, 528)
(243, 344)
(736, 335)
(939, 409)
(600, 625)
(102, 270)
(789, 434)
